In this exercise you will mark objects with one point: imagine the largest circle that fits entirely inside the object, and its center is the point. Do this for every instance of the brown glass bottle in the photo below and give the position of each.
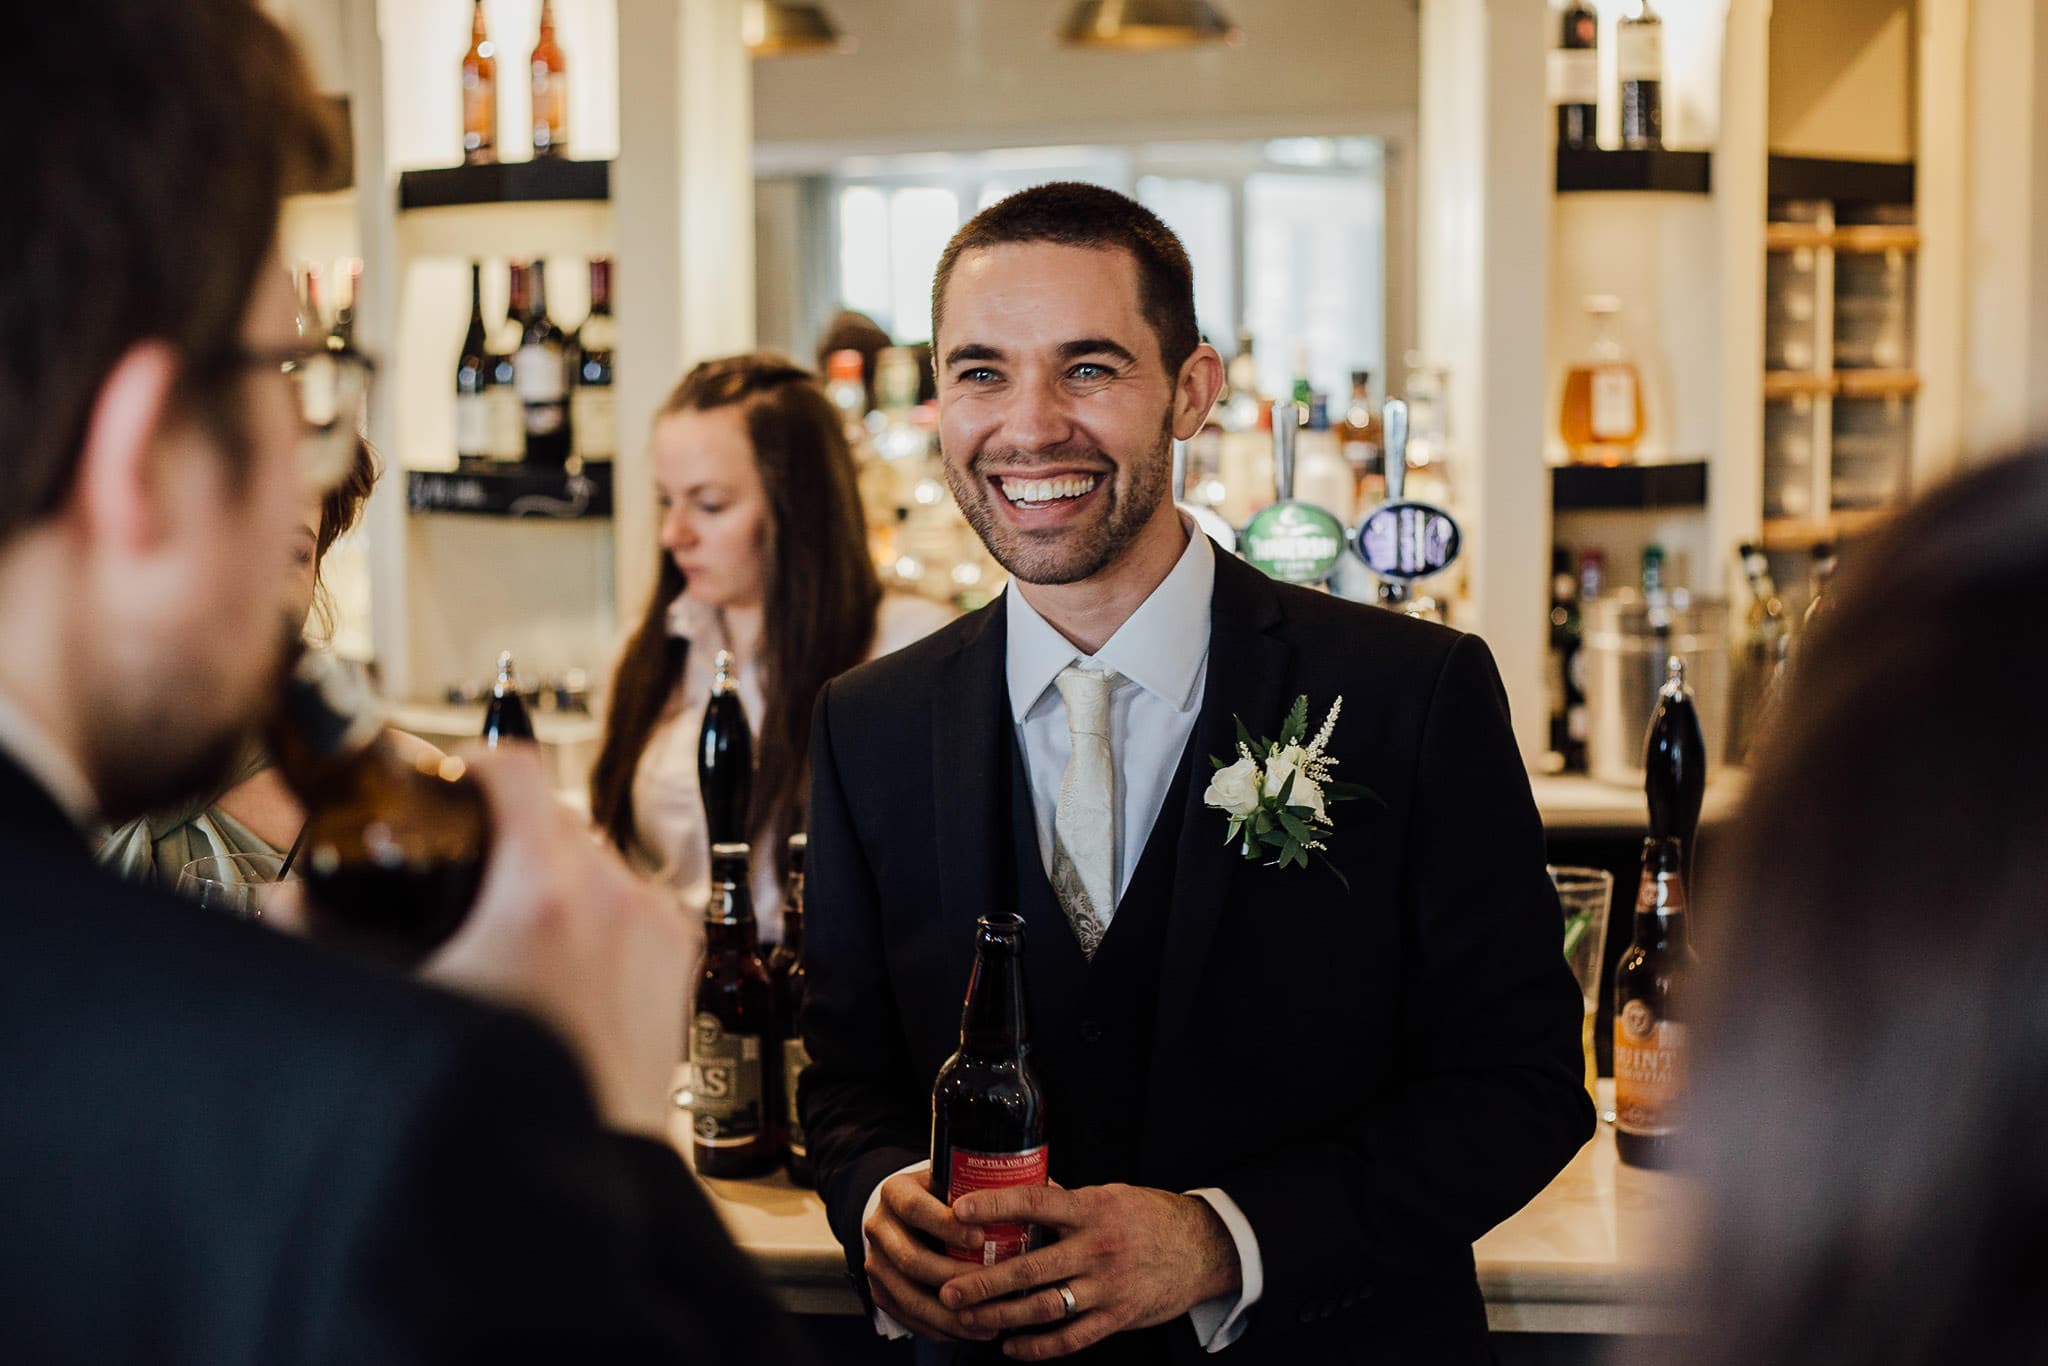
(392, 851)
(1650, 1047)
(737, 1102)
(725, 757)
(988, 1109)
(550, 89)
(786, 975)
(1675, 763)
(1575, 75)
(479, 93)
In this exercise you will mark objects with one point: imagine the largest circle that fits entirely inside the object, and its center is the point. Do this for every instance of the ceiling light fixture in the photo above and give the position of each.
(777, 28)
(1148, 24)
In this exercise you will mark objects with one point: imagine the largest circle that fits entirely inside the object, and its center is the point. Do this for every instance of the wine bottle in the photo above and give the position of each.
(725, 758)
(508, 415)
(506, 718)
(479, 93)
(786, 975)
(393, 850)
(1575, 75)
(593, 422)
(1675, 763)
(550, 89)
(542, 370)
(1639, 64)
(738, 1094)
(473, 376)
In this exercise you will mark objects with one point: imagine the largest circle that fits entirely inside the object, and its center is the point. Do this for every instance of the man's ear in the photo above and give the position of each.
(116, 495)
(1194, 394)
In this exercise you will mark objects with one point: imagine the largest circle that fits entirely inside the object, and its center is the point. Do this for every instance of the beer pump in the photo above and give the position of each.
(1403, 541)
(1289, 540)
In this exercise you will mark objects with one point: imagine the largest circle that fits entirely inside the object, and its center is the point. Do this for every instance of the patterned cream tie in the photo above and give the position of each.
(1084, 823)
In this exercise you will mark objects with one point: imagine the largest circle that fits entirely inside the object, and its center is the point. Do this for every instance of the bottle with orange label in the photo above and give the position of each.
(1650, 1047)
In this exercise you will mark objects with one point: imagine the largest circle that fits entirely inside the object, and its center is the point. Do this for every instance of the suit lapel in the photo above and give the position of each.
(970, 728)
(1250, 675)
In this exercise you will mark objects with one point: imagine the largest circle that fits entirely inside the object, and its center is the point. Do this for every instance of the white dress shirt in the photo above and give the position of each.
(668, 809)
(1162, 651)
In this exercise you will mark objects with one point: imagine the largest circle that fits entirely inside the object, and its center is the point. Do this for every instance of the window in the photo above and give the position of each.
(1287, 237)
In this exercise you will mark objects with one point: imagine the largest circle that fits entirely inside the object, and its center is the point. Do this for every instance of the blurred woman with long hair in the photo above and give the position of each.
(763, 553)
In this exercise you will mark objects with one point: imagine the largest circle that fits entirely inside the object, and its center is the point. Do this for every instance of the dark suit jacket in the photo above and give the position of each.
(1377, 1077)
(220, 1145)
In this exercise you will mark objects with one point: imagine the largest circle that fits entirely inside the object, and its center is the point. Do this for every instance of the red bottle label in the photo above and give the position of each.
(994, 1171)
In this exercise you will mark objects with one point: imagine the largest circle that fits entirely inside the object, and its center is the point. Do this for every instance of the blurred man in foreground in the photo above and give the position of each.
(221, 1145)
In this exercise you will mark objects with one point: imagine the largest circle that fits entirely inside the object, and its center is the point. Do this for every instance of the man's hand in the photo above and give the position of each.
(903, 1273)
(1131, 1258)
(563, 929)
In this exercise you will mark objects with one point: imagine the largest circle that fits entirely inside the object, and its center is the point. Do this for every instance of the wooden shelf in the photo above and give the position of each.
(518, 491)
(1851, 182)
(1792, 236)
(542, 180)
(1876, 383)
(1875, 237)
(1581, 169)
(1580, 488)
(1800, 533)
(1793, 383)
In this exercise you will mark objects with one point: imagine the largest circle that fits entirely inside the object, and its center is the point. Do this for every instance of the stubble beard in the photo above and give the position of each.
(1074, 554)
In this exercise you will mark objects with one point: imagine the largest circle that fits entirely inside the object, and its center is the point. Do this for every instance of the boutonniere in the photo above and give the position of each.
(1277, 792)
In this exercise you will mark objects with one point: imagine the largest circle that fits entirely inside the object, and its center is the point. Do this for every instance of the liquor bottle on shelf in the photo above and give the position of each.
(1820, 582)
(988, 1108)
(734, 1106)
(1575, 75)
(1360, 435)
(1639, 66)
(473, 379)
(1304, 391)
(1764, 630)
(847, 388)
(1567, 693)
(479, 93)
(392, 851)
(1601, 417)
(786, 975)
(542, 367)
(550, 89)
(725, 757)
(1322, 475)
(1650, 1046)
(1241, 409)
(508, 414)
(348, 281)
(1592, 576)
(505, 716)
(1675, 763)
(593, 415)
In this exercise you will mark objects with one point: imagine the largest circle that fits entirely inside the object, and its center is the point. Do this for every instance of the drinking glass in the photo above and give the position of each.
(239, 885)
(1586, 894)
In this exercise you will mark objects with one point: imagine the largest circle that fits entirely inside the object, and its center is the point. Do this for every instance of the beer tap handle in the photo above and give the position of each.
(1394, 442)
(1180, 471)
(1286, 428)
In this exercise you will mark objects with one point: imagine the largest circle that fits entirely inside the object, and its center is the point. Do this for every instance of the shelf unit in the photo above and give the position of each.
(1624, 488)
(1583, 169)
(582, 493)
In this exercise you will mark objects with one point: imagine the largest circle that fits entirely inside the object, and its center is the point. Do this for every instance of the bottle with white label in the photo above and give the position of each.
(1639, 67)
(1601, 418)
(507, 417)
(542, 371)
(473, 380)
(1575, 74)
(736, 1110)
(592, 418)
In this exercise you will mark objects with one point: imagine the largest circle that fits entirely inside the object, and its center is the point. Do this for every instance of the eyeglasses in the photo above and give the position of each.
(329, 384)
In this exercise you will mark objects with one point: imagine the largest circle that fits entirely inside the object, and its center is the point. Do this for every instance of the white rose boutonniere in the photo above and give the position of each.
(1276, 792)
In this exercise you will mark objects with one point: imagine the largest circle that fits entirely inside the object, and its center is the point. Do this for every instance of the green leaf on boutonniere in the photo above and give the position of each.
(1351, 792)
(1236, 826)
(1244, 740)
(1298, 832)
(1287, 788)
(1297, 723)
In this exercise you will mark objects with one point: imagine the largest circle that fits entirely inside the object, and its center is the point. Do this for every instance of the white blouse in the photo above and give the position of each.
(668, 810)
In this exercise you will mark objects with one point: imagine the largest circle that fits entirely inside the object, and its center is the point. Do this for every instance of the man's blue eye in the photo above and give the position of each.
(978, 375)
(1090, 370)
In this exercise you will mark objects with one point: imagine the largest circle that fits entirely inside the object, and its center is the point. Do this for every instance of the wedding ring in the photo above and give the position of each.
(1067, 1298)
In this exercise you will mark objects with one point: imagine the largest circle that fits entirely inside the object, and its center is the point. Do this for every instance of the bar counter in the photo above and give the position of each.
(1591, 1254)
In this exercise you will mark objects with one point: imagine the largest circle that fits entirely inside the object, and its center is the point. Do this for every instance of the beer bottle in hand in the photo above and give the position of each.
(505, 718)
(725, 758)
(736, 1107)
(786, 975)
(392, 850)
(1675, 763)
(1649, 1041)
(988, 1110)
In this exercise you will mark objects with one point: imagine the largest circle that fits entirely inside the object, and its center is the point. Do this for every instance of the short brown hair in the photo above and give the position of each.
(166, 135)
(1071, 214)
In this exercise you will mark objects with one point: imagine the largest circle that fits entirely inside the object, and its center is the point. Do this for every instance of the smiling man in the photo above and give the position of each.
(1282, 1102)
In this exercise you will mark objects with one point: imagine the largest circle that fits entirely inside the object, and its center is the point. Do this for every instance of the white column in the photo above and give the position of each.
(1741, 175)
(1483, 208)
(682, 197)
(2004, 398)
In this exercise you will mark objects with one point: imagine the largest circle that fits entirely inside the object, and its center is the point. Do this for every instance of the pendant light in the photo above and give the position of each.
(776, 28)
(1147, 23)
